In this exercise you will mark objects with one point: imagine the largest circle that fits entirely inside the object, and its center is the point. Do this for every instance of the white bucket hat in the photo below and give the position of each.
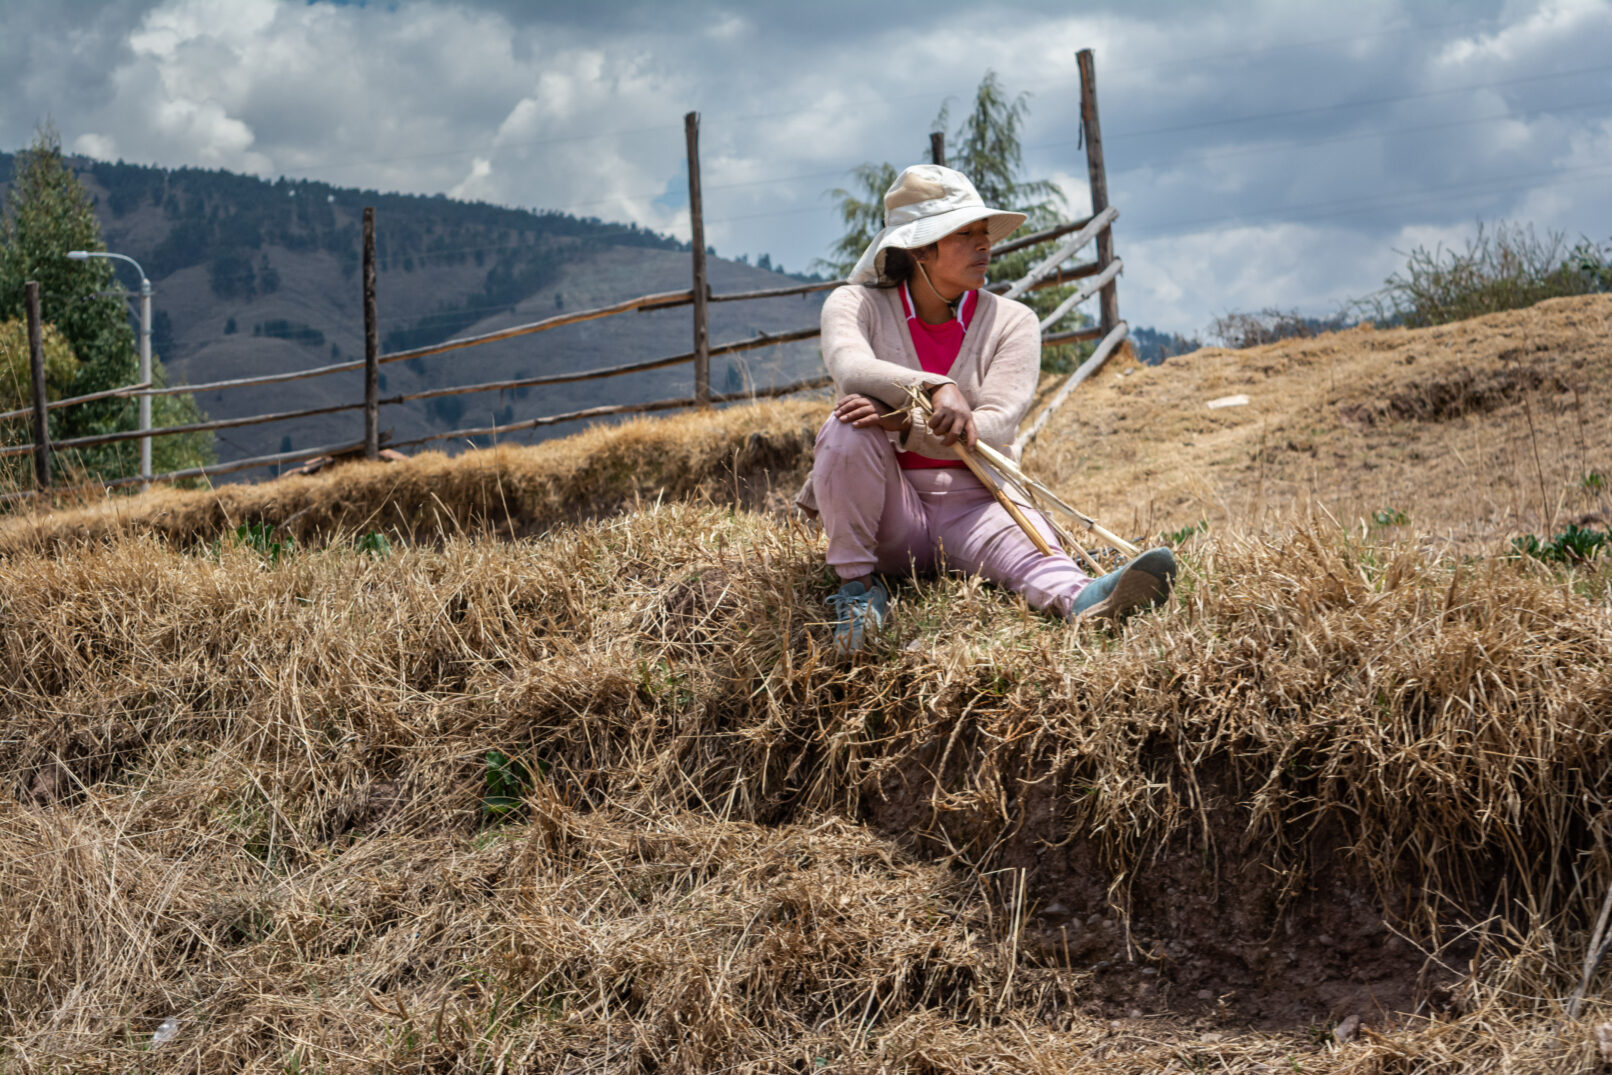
(928, 202)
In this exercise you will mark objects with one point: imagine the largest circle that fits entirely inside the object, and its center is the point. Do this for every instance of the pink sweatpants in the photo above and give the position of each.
(879, 517)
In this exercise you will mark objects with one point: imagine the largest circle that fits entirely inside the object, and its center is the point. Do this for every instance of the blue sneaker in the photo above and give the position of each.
(860, 610)
(1143, 583)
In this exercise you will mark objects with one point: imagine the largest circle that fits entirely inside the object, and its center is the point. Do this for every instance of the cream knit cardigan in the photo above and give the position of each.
(868, 349)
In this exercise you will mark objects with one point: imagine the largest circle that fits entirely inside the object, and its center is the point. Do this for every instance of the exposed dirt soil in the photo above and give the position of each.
(1211, 928)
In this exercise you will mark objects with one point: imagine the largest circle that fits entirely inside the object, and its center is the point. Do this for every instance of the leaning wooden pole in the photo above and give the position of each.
(36, 368)
(937, 148)
(1086, 369)
(372, 345)
(1099, 183)
(702, 291)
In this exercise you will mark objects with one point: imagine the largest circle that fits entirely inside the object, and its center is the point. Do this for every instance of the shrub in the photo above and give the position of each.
(1575, 545)
(1504, 269)
(16, 378)
(1240, 330)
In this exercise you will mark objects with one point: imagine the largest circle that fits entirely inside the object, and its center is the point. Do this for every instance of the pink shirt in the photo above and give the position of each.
(937, 347)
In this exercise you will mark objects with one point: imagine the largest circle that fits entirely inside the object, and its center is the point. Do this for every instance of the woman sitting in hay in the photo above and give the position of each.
(893, 493)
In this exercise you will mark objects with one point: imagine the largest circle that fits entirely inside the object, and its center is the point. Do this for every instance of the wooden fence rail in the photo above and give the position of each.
(1042, 275)
(619, 408)
(110, 393)
(1050, 271)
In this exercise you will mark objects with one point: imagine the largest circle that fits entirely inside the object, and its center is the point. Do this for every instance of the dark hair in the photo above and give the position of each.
(899, 265)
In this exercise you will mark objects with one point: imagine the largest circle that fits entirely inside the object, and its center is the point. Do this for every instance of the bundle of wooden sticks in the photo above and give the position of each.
(1001, 475)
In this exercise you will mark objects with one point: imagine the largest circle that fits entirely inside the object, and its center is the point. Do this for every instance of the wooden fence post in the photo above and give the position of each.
(372, 344)
(1099, 183)
(36, 366)
(702, 339)
(937, 148)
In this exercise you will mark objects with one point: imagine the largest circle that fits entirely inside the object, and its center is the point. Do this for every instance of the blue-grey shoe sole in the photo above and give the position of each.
(1137, 588)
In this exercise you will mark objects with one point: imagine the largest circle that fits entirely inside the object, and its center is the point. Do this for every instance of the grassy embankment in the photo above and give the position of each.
(1352, 769)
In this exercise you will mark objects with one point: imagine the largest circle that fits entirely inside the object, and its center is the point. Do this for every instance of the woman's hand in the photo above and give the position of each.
(861, 412)
(953, 419)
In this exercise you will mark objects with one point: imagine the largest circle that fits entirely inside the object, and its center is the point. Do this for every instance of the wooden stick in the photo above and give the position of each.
(1079, 335)
(625, 408)
(1093, 133)
(1008, 466)
(207, 471)
(246, 382)
(1002, 498)
(1050, 263)
(701, 289)
(372, 344)
(1087, 368)
(1082, 293)
(1063, 276)
(194, 427)
(1017, 479)
(921, 405)
(536, 326)
(1074, 546)
(764, 340)
(776, 292)
(1035, 238)
(36, 366)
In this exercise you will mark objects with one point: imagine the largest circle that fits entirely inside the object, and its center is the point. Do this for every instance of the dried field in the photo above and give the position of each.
(1351, 770)
(1475, 431)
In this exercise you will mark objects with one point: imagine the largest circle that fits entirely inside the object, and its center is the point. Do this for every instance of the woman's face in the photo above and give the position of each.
(958, 261)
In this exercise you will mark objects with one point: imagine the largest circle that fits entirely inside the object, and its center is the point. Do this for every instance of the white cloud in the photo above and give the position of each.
(580, 108)
(1546, 29)
(474, 185)
(99, 146)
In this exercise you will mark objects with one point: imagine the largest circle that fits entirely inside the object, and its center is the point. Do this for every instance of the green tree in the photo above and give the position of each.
(16, 391)
(47, 213)
(16, 388)
(985, 146)
(861, 212)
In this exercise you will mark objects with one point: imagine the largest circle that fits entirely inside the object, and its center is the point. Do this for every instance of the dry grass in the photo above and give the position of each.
(754, 455)
(1475, 430)
(247, 796)
(1346, 771)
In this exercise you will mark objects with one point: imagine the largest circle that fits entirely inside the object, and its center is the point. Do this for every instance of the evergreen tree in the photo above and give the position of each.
(48, 213)
(985, 147)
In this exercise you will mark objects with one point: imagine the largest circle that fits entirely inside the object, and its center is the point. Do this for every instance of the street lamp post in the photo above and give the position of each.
(145, 353)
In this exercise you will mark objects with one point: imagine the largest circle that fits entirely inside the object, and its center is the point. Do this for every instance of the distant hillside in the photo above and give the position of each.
(252, 276)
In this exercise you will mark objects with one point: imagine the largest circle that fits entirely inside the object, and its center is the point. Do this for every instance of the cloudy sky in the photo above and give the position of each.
(1262, 152)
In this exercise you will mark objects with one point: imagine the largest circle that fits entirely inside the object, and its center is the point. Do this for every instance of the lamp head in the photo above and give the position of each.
(78, 255)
